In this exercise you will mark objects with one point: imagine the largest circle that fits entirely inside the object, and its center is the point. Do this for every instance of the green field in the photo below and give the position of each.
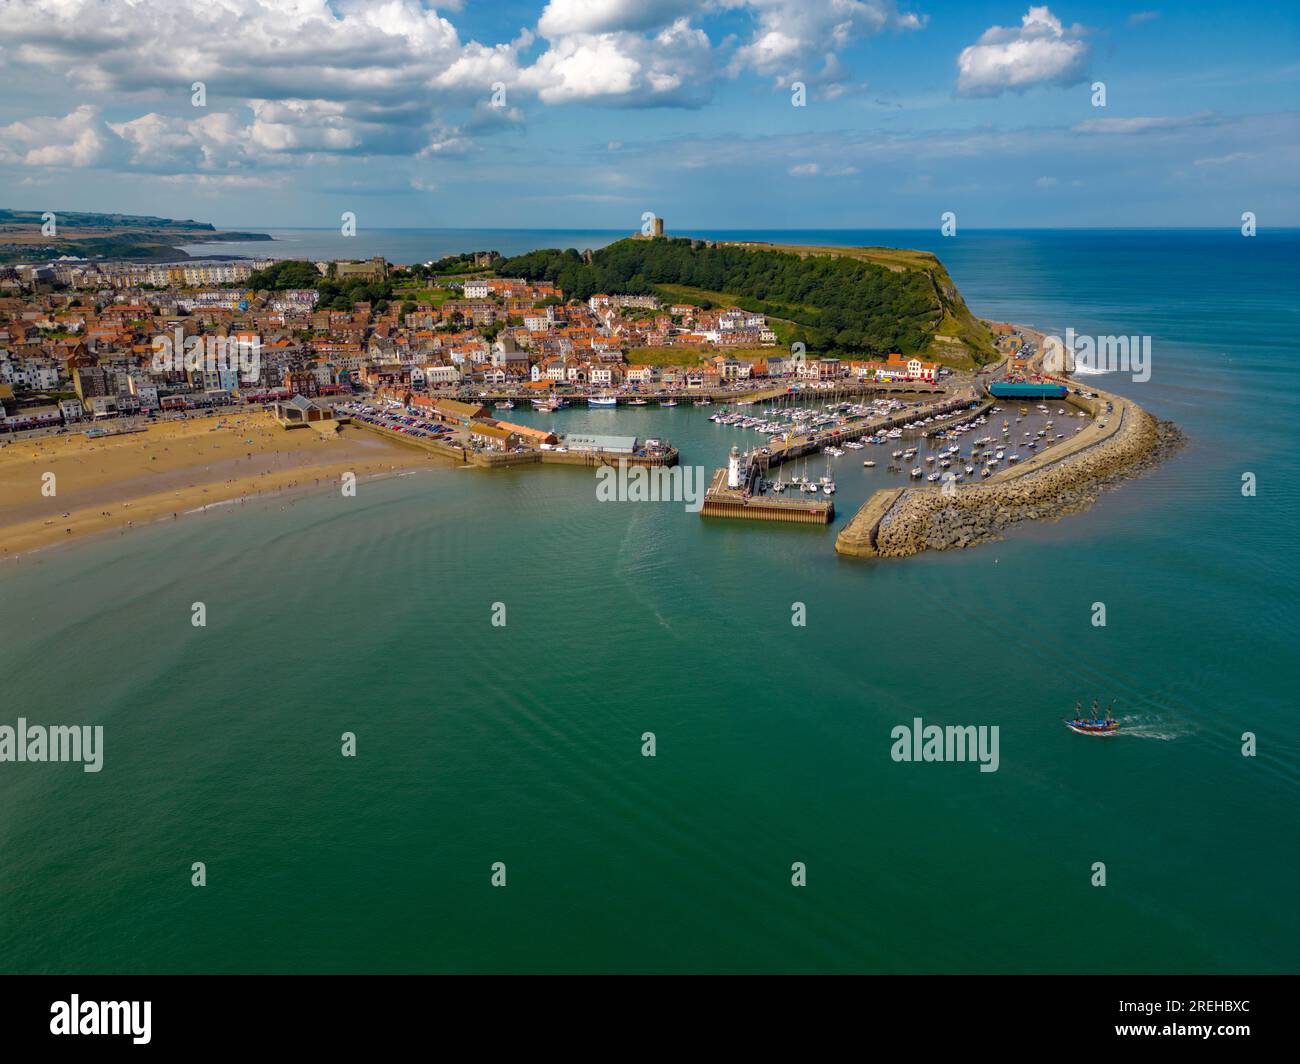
(432, 296)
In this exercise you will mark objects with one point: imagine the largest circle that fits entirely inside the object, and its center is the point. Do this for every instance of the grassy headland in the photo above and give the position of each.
(853, 302)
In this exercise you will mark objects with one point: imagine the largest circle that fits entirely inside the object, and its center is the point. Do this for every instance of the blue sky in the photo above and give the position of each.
(586, 113)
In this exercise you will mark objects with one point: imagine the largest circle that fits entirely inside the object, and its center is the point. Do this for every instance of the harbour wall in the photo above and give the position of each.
(1065, 478)
(501, 459)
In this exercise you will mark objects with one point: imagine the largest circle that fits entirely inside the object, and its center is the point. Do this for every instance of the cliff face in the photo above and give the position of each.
(958, 337)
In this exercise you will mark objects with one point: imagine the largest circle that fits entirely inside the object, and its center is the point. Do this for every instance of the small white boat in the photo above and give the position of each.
(869, 464)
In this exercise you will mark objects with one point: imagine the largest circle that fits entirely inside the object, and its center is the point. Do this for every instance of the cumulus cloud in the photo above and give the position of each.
(671, 67)
(290, 83)
(1039, 51)
(78, 139)
(792, 37)
(562, 18)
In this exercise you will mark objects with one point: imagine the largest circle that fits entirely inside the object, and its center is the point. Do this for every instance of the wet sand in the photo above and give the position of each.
(117, 483)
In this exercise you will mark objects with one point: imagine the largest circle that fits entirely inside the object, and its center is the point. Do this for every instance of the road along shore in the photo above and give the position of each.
(1122, 441)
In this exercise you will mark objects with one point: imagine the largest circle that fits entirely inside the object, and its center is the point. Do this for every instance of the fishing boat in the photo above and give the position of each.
(703, 402)
(667, 402)
(869, 464)
(637, 402)
(602, 400)
(507, 404)
(1093, 727)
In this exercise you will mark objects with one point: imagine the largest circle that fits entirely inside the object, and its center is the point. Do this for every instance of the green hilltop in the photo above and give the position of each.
(856, 302)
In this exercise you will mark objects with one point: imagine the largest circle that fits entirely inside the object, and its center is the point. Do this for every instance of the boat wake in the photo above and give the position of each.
(1149, 726)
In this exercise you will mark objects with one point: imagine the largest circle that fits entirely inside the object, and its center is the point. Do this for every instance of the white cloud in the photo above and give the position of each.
(562, 18)
(1225, 160)
(223, 182)
(671, 67)
(1039, 51)
(1144, 123)
(792, 36)
(78, 139)
(813, 169)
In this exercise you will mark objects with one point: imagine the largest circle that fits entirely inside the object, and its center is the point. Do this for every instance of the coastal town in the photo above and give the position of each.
(79, 343)
(384, 361)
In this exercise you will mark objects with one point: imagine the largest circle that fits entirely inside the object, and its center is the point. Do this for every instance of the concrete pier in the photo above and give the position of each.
(722, 501)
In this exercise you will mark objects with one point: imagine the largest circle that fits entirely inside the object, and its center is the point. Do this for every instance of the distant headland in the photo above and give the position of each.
(26, 236)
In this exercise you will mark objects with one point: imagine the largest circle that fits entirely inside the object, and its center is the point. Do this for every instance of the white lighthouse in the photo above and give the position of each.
(734, 479)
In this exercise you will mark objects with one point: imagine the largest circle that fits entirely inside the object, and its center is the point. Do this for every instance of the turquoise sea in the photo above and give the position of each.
(522, 744)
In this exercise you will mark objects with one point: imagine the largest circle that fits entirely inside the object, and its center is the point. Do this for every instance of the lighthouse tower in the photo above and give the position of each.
(734, 479)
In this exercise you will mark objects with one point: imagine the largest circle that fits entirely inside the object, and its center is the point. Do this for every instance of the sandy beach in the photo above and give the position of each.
(117, 483)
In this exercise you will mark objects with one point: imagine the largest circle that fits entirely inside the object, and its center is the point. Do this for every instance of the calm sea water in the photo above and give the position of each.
(521, 744)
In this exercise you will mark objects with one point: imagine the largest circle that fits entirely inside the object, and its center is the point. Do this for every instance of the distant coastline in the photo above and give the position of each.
(29, 236)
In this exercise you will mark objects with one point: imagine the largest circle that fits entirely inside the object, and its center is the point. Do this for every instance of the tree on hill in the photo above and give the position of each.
(280, 276)
(837, 301)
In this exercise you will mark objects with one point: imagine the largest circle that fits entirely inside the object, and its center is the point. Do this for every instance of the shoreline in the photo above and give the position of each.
(169, 472)
(54, 545)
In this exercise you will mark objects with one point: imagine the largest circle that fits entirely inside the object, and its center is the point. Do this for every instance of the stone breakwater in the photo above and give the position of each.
(917, 519)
